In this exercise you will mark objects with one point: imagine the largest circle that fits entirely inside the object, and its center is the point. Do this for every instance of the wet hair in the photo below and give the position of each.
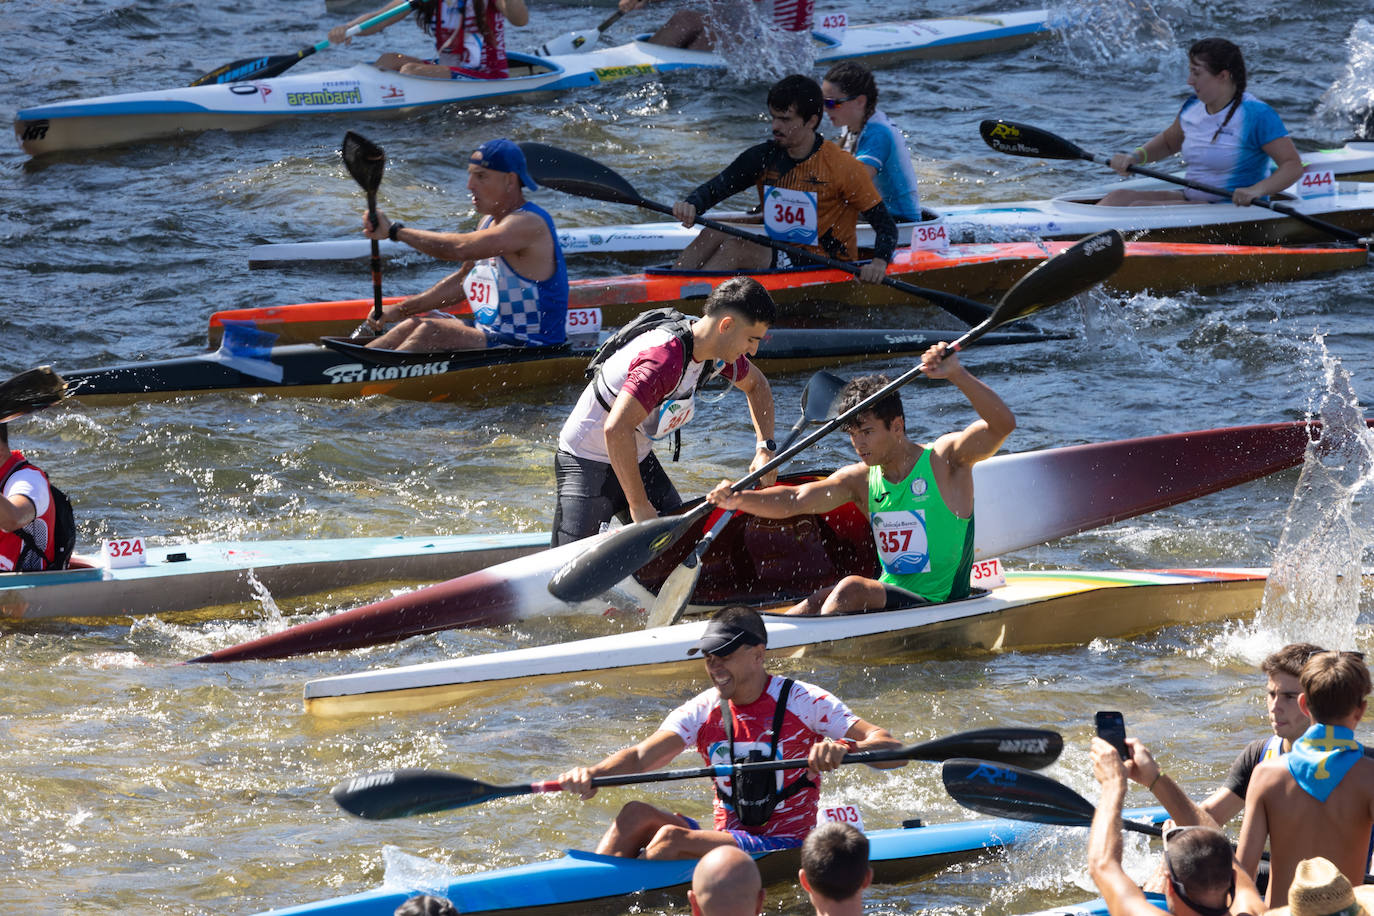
(744, 296)
(4, 435)
(1218, 54)
(424, 15)
(860, 389)
(1335, 683)
(854, 78)
(426, 905)
(835, 859)
(1200, 858)
(801, 93)
(1290, 659)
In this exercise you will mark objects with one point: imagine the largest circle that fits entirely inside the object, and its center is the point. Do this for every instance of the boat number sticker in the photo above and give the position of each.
(901, 539)
(834, 22)
(123, 552)
(1316, 184)
(843, 814)
(790, 216)
(929, 237)
(583, 321)
(987, 574)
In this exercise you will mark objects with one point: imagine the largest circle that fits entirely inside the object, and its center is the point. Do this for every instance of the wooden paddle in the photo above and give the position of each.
(260, 68)
(402, 793)
(1025, 140)
(612, 558)
(820, 401)
(574, 173)
(30, 390)
(365, 161)
(574, 42)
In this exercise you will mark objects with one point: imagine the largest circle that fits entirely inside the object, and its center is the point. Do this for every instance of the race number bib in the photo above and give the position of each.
(483, 295)
(790, 216)
(672, 415)
(901, 540)
(1316, 184)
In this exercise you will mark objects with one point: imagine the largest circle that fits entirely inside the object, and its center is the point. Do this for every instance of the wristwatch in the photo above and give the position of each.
(767, 445)
(393, 229)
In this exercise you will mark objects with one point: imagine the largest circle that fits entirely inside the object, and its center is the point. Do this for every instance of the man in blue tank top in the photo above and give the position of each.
(513, 279)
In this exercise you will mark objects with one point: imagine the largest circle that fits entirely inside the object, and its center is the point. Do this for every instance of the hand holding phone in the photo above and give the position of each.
(1111, 728)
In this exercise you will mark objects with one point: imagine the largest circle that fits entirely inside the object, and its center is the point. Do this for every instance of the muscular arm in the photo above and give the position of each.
(514, 234)
(1222, 805)
(1161, 146)
(15, 512)
(626, 414)
(1104, 838)
(1254, 828)
(760, 396)
(444, 294)
(1288, 169)
(849, 484)
(982, 438)
(870, 737)
(743, 173)
(652, 753)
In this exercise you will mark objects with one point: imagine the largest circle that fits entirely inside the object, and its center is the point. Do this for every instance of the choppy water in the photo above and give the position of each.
(133, 785)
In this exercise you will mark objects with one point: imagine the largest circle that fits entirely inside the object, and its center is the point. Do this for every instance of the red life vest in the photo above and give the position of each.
(476, 56)
(15, 552)
(792, 15)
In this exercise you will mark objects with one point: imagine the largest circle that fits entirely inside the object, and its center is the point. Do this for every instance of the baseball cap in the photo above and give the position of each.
(503, 156)
(725, 635)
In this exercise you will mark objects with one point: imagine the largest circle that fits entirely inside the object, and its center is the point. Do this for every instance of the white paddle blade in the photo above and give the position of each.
(570, 43)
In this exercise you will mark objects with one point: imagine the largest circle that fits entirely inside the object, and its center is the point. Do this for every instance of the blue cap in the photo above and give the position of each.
(503, 156)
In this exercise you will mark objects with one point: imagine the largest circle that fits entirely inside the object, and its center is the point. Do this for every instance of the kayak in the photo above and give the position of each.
(346, 370)
(1024, 499)
(584, 881)
(187, 577)
(1070, 215)
(978, 271)
(364, 91)
(1033, 609)
(1098, 907)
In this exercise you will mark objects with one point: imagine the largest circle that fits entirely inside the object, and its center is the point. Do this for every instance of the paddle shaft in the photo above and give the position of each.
(376, 259)
(966, 310)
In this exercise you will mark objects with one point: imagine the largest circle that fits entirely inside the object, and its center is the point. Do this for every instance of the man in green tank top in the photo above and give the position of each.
(919, 498)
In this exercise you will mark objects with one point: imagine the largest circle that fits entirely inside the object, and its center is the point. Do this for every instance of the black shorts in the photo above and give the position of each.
(589, 493)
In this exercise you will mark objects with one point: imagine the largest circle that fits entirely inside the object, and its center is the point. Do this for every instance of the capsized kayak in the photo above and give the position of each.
(186, 577)
(468, 376)
(364, 91)
(1033, 609)
(585, 882)
(1024, 499)
(1068, 216)
(978, 271)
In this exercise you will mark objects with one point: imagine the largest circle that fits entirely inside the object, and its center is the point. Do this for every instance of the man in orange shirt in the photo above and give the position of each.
(812, 193)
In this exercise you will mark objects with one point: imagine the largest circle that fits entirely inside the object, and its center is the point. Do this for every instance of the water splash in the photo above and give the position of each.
(1313, 592)
(414, 874)
(1125, 33)
(1348, 106)
(271, 613)
(753, 49)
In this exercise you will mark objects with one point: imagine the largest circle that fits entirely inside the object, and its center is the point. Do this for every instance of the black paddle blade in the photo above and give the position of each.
(1033, 748)
(1002, 790)
(1081, 267)
(821, 397)
(30, 390)
(402, 793)
(573, 173)
(364, 160)
(615, 557)
(252, 68)
(1025, 140)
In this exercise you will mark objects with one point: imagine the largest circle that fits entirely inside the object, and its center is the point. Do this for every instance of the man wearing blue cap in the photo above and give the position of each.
(747, 714)
(513, 278)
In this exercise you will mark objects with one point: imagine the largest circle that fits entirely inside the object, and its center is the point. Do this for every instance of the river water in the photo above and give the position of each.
(134, 785)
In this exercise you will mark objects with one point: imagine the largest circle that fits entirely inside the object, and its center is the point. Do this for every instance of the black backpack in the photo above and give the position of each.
(63, 535)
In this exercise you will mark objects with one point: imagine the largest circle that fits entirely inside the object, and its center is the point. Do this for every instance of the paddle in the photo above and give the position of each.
(573, 173)
(1025, 140)
(625, 550)
(402, 793)
(30, 390)
(573, 42)
(260, 68)
(820, 401)
(1009, 791)
(365, 161)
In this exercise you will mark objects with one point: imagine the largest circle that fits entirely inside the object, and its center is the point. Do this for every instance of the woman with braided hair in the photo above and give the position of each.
(469, 36)
(1226, 135)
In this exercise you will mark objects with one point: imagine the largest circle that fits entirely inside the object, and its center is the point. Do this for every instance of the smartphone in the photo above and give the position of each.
(1111, 728)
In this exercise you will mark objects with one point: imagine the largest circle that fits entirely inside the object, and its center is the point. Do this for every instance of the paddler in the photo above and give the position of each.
(812, 194)
(605, 466)
(918, 497)
(469, 37)
(747, 714)
(1318, 799)
(28, 514)
(513, 276)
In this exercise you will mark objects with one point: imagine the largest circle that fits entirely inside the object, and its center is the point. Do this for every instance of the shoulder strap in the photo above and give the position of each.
(23, 532)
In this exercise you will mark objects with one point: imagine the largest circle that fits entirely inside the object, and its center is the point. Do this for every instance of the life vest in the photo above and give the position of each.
(34, 546)
(755, 795)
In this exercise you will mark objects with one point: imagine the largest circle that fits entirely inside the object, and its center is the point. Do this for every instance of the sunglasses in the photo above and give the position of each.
(1199, 908)
(836, 103)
